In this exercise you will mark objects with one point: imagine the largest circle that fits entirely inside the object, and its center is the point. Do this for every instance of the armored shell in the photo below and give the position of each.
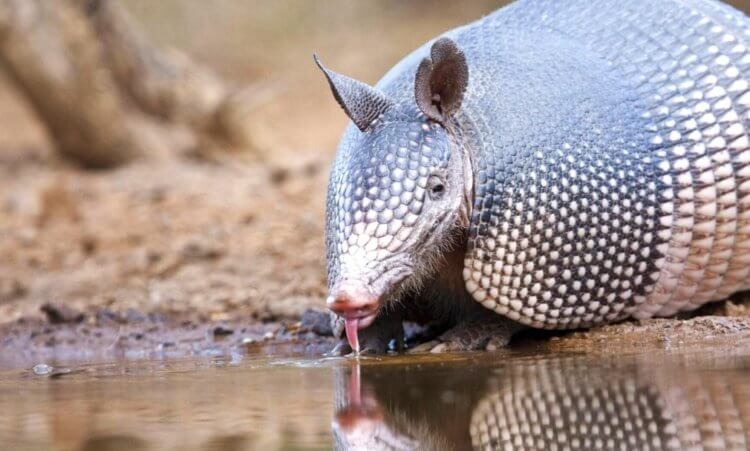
(609, 151)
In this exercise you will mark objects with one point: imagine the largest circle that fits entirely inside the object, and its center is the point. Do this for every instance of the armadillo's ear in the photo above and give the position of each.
(361, 102)
(441, 80)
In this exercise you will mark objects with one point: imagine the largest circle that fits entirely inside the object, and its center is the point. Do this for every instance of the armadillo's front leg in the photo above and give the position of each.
(378, 338)
(482, 330)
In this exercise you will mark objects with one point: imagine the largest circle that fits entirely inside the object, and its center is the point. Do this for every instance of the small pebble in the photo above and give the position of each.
(42, 369)
(222, 331)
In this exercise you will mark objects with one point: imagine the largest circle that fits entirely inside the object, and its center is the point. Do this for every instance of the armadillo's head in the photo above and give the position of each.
(399, 189)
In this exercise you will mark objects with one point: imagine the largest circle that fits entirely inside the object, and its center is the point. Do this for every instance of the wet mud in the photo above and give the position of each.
(64, 336)
(61, 335)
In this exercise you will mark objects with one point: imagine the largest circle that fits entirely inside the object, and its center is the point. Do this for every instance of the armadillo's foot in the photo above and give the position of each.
(383, 335)
(478, 334)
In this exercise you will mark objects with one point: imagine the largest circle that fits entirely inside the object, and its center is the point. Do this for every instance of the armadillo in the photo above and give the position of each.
(555, 165)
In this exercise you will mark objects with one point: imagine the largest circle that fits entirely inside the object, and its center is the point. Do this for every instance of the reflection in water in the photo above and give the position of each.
(360, 423)
(546, 403)
(442, 402)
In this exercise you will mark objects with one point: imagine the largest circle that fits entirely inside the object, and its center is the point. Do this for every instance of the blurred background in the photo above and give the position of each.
(173, 155)
(222, 227)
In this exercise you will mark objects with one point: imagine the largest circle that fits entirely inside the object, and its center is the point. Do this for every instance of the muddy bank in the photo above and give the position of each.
(64, 336)
(722, 325)
(60, 335)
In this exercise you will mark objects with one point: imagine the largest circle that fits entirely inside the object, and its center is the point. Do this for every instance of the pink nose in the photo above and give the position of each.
(351, 300)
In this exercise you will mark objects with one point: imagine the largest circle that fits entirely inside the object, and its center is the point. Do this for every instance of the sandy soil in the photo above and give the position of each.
(178, 235)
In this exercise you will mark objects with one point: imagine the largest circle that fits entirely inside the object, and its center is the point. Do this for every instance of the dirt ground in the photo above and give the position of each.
(168, 256)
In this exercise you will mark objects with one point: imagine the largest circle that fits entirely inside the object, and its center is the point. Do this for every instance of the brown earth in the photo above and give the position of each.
(170, 249)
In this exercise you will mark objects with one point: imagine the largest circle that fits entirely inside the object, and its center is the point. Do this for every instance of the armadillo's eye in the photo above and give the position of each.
(435, 187)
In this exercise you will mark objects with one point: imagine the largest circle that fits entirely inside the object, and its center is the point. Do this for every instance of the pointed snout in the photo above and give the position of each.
(352, 300)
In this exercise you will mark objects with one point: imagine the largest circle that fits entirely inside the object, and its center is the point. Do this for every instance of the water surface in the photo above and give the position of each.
(512, 400)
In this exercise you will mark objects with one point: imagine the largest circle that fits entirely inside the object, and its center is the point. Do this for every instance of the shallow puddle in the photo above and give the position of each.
(513, 400)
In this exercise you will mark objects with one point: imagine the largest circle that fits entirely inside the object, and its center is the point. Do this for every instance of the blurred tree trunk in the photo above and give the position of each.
(104, 93)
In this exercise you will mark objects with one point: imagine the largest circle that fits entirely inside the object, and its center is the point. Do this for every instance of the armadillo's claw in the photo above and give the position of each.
(343, 348)
(340, 350)
(427, 346)
(479, 334)
(437, 347)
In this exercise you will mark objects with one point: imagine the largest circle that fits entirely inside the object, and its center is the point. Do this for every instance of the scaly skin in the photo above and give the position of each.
(596, 160)
(480, 331)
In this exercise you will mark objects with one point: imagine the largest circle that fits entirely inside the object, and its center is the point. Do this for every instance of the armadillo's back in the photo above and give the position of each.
(612, 178)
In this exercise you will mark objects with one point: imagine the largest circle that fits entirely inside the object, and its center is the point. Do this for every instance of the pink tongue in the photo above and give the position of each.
(352, 329)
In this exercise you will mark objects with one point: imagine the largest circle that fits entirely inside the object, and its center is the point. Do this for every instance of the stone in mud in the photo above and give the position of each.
(317, 322)
(61, 314)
